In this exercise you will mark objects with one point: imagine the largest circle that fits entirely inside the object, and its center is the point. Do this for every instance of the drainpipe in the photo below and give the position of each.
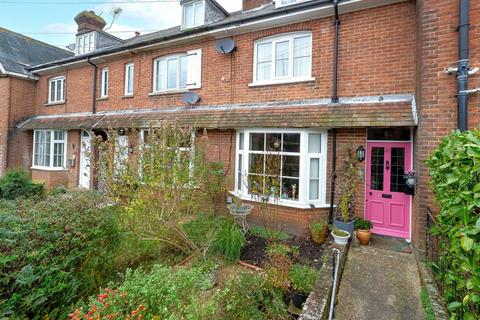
(463, 68)
(335, 52)
(94, 100)
(334, 175)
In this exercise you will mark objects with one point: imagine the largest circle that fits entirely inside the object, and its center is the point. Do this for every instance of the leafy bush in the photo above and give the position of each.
(455, 179)
(230, 240)
(17, 183)
(303, 278)
(164, 293)
(264, 233)
(56, 251)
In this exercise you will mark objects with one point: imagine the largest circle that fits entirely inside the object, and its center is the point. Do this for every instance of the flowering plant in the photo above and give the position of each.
(410, 174)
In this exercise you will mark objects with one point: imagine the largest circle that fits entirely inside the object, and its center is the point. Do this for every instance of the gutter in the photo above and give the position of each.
(94, 99)
(311, 7)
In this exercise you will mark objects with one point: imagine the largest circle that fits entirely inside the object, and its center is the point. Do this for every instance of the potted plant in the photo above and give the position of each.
(302, 279)
(318, 230)
(363, 232)
(345, 218)
(340, 236)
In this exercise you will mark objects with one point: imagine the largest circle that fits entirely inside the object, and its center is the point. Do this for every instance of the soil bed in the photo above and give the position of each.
(310, 252)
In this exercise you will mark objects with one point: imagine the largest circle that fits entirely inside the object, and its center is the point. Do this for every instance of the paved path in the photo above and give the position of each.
(379, 285)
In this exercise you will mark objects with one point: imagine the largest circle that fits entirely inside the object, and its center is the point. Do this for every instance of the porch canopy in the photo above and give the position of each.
(294, 115)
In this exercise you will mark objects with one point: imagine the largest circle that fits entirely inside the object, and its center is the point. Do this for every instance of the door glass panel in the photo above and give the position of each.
(397, 181)
(376, 168)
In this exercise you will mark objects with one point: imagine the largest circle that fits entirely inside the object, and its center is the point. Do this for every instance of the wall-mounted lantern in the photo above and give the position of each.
(360, 153)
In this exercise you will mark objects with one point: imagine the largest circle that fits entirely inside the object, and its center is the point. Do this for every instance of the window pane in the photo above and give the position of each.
(397, 180)
(183, 72)
(257, 141)
(314, 143)
(282, 59)
(256, 163)
(52, 91)
(188, 15)
(58, 153)
(314, 168)
(264, 61)
(273, 165)
(289, 189)
(314, 178)
(172, 70)
(376, 168)
(291, 142)
(239, 173)
(130, 79)
(161, 75)
(241, 137)
(198, 13)
(59, 135)
(302, 53)
(313, 193)
(46, 149)
(291, 166)
(60, 84)
(274, 141)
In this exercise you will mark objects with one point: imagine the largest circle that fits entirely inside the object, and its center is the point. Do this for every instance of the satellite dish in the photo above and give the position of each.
(190, 97)
(224, 46)
(71, 47)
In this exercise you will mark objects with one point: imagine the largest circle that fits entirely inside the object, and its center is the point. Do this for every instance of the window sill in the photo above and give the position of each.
(290, 204)
(102, 98)
(54, 103)
(127, 96)
(48, 169)
(279, 82)
(167, 92)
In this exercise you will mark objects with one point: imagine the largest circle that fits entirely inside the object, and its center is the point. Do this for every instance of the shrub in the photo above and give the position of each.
(17, 183)
(230, 240)
(303, 278)
(455, 179)
(54, 252)
(163, 293)
(264, 233)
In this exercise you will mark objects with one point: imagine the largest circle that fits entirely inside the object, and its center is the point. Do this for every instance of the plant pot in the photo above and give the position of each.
(340, 239)
(364, 236)
(345, 226)
(319, 237)
(298, 299)
(411, 181)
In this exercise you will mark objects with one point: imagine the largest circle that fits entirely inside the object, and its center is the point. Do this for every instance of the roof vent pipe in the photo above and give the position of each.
(335, 53)
(463, 68)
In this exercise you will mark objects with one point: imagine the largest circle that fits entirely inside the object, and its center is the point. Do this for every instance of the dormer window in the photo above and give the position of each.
(85, 43)
(193, 14)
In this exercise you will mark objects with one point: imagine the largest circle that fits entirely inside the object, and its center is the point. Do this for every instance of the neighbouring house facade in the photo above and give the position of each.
(287, 76)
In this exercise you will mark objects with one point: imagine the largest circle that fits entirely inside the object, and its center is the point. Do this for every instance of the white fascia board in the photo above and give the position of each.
(304, 15)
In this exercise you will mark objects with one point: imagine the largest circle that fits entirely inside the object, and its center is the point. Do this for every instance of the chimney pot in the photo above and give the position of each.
(137, 33)
(89, 21)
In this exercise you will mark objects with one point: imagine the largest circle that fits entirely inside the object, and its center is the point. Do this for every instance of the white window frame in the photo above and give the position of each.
(50, 167)
(127, 78)
(104, 83)
(85, 43)
(156, 70)
(290, 37)
(279, 3)
(62, 80)
(194, 4)
(304, 175)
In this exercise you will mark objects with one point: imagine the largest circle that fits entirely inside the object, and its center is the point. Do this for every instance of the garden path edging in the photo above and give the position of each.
(317, 305)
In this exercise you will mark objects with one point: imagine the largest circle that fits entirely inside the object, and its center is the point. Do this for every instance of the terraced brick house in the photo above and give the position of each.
(309, 78)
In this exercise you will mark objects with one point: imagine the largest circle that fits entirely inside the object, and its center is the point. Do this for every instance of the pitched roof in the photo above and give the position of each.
(18, 52)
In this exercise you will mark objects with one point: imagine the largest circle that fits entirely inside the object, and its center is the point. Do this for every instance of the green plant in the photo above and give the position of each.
(280, 249)
(362, 224)
(337, 231)
(348, 186)
(261, 232)
(454, 169)
(56, 251)
(303, 278)
(427, 305)
(318, 226)
(17, 183)
(230, 240)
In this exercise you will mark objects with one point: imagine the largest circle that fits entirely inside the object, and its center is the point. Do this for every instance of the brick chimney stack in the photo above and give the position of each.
(89, 21)
(253, 4)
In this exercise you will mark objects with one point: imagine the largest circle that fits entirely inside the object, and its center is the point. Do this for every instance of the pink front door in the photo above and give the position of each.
(387, 204)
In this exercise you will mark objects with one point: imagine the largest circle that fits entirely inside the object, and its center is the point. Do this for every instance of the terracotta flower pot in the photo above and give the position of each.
(364, 236)
(319, 237)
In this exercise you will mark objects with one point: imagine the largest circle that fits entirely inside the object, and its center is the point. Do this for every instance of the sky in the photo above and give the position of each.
(52, 21)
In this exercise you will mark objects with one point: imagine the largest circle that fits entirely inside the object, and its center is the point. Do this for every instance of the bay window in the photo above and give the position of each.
(286, 165)
(283, 58)
(49, 149)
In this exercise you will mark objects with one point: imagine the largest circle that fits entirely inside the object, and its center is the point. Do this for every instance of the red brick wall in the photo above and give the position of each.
(4, 115)
(436, 91)
(368, 65)
(252, 4)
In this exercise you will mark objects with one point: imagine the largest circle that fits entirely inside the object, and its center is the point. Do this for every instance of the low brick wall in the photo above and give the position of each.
(438, 305)
(317, 305)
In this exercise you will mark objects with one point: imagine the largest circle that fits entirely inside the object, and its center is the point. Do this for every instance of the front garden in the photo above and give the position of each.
(149, 246)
